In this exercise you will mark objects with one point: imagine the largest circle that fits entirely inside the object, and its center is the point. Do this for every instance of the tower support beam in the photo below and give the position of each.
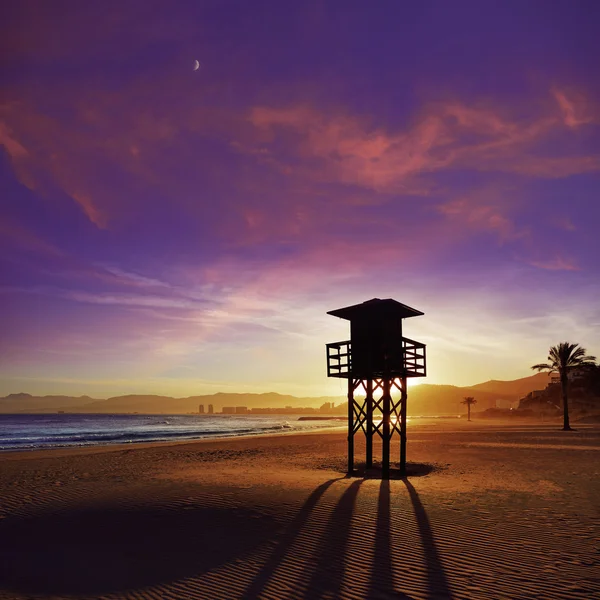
(403, 397)
(385, 429)
(350, 426)
(369, 424)
(382, 413)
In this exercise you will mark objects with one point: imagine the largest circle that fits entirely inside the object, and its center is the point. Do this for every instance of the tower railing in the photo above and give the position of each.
(414, 358)
(339, 363)
(339, 360)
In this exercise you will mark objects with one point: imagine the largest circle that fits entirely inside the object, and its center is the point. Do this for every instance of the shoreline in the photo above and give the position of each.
(341, 429)
(113, 447)
(31, 433)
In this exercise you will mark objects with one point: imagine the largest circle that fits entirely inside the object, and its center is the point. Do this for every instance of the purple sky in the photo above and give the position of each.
(166, 230)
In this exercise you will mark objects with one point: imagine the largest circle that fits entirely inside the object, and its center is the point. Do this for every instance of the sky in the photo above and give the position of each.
(177, 231)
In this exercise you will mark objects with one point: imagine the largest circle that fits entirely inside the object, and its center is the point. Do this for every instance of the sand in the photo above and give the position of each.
(491, 511)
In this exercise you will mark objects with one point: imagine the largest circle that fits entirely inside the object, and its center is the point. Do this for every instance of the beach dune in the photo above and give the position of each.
(490, 511)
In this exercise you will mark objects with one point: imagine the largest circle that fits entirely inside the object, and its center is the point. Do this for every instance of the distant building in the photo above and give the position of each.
(502, 403)
(211, 409)
(284, 410)
(228, 410)
(201, 409)
(241, 410)
(572, 374)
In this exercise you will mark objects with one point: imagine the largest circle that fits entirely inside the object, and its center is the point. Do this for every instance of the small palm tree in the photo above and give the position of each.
(469, 400)
(562, 359)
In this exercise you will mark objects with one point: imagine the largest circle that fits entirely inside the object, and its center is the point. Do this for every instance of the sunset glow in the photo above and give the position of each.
(176, 231)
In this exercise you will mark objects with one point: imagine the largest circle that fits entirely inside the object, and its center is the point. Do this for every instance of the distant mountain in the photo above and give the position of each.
(442, 399)
(427, 399)
(166, 404)
(17, 403)
(519, 387)
(424, 399)
(28, 403)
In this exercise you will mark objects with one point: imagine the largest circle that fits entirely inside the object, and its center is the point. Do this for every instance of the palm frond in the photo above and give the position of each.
(543, 367)
(566, 356)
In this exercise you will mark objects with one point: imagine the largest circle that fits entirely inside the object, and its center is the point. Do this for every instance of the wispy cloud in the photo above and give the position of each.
(557, 263)
(552, 167)
(566, 224)
(452, 135)
(483, 212)
(103, 160)
(24, 238)
(11, 145)
(107, 163)
(129, 278)
(576, 110)
(141, 300)
(92, 212)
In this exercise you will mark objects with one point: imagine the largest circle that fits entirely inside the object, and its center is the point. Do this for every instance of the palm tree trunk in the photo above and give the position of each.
(468, 412)
(564, 381)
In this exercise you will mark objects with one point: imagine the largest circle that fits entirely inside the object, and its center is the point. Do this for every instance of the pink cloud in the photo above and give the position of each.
(301, 142)
(482, 216)
(46, 160)
(26, 239)
(451, 135)
(75, 147)
(556, 264)
(12, 146)
(91, 210)
(552, 167)
(566, 224)
(352, 151)
(61, 265)
(575, 109)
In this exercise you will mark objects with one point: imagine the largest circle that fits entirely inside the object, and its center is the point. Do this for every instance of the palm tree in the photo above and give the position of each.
(562, 359)
(468, 401)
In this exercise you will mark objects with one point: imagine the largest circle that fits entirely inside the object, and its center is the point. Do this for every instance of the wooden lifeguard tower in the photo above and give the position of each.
(376, 361)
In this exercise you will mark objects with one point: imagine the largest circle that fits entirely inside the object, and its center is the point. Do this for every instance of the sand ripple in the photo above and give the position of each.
(270, 520)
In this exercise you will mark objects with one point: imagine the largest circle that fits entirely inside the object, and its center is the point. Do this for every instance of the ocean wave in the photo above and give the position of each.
(53, 431)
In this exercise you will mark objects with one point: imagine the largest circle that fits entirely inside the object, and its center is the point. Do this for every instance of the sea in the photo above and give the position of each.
(36, 431)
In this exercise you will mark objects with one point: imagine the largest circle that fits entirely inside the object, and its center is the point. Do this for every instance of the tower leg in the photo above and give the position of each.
(403, 427)
(385, 430)
(369, 423)
(350, 426)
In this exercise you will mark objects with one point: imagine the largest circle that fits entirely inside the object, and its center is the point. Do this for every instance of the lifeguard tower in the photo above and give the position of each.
(376, 361)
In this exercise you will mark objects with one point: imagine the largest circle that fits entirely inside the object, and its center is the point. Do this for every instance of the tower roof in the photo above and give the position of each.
(376, 308)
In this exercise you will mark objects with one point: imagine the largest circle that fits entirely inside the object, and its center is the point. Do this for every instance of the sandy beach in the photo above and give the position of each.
(490, 511)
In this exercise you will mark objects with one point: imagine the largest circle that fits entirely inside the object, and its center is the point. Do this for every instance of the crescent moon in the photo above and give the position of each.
(196, 65)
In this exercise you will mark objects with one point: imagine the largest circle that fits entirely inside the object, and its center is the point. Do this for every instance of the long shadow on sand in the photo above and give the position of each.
(324, 574)
(437, 583)
(109, 549)
(328, 574)
(381, 583)
(286, 542)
